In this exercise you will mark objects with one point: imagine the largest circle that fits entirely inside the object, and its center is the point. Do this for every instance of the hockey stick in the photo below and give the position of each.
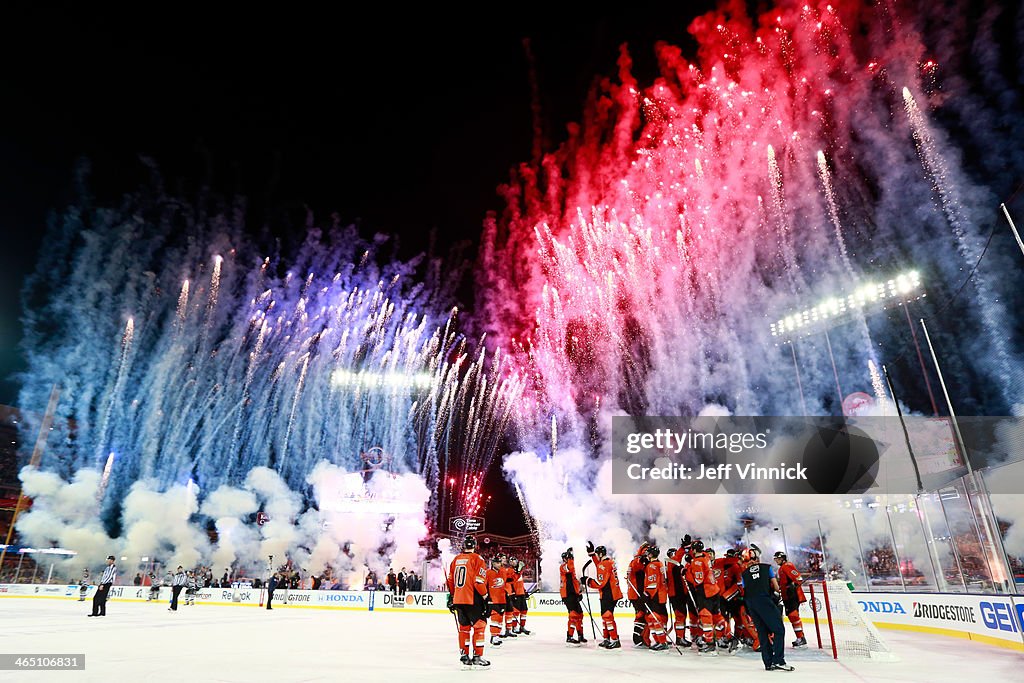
(448, 585)
(671, 629)
(586, 594)
(642, 595)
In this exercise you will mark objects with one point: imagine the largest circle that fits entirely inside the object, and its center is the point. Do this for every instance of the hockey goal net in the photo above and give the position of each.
(832, 616)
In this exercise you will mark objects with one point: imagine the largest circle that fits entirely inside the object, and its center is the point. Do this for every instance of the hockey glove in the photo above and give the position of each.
(590, 547)
(451, 604)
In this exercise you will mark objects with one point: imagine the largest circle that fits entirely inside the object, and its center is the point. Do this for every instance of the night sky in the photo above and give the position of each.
(402, 122)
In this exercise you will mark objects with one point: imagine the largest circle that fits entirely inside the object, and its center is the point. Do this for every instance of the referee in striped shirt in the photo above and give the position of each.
(177, 584)
(99, 601)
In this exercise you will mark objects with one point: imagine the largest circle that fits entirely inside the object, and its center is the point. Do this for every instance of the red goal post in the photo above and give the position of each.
(840, 625)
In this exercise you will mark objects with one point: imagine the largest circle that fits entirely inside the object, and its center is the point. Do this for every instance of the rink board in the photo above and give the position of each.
(990, 619)
(540, 604)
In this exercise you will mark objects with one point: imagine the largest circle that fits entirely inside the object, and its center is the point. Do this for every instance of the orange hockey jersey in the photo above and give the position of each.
(790, 575)
(635, 579)
(607, 582)
(496, 586)
(675, 578)
(655, 587)
(700, 573)
(727, 572)
(467, 578)
(508, 574)
(569, 585)
(517, 584)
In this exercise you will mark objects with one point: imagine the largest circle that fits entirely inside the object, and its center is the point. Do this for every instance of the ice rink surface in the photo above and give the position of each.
(145, 642)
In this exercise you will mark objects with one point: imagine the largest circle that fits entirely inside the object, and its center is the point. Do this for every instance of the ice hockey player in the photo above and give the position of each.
(154, 588)
(677, 594)
(83, 585)
(655, 597)
(607, 585)
(569, 588)
(792, 595)
(634, 587)
(691, 601)
(704, 590)
(509, 574)
(512, 611)
(191, 588)
(759, 588)
(467, 590)
(727, 572)
(522, 606)
(496, 591)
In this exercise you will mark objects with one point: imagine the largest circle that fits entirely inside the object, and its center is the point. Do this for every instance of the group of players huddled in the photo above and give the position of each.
(476, 591)
(704, 593)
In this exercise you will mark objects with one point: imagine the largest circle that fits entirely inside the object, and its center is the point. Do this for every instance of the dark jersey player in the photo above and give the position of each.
(760, 586)
(467, 593)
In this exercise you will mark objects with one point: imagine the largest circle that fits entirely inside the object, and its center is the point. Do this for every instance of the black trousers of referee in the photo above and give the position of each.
(175, 592)
(767, 620)
(99, 601)
(270, 597)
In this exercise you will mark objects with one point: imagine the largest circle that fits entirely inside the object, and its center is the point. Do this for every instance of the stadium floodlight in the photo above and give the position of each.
(872, 295)
(381, 380)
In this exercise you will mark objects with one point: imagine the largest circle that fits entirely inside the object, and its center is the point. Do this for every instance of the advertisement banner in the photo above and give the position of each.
(990, 619)
(350, 600)
(550, 604)
(996, 620)
(414, 602)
